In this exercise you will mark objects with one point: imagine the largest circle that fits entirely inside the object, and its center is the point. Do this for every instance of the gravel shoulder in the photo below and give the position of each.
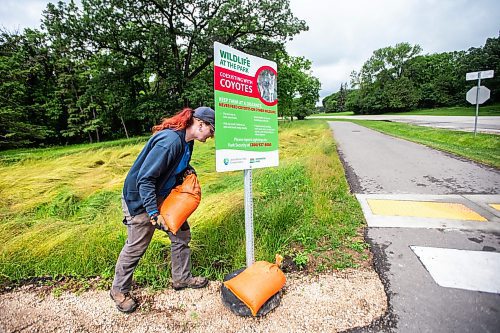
(330, 302)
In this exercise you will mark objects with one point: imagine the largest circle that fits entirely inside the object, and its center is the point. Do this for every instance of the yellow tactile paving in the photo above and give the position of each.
(496, 206)
(437, 210)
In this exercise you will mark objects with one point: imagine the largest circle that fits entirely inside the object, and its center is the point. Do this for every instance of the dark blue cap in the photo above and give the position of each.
(206, 114)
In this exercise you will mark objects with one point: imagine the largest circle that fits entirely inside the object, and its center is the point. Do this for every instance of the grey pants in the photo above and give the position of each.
(139, 234)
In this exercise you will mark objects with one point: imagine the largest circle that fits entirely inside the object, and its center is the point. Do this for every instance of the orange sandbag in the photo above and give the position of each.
(181, 203)
(256, 284)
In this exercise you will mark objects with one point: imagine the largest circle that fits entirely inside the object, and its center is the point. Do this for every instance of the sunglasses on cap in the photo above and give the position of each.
(212, 128)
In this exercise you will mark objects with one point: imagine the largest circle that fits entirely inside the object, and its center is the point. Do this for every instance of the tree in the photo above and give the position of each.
(174, 39)
(352, 100)
(25, 89)
(342, 97)
(330, 103)
(383, 82)
(134, 62)
(298, 89)
(388, 62)
(337, 102)
(96, 89)
(438, 78)
(480, 59)
(308, 96)
(398, 79)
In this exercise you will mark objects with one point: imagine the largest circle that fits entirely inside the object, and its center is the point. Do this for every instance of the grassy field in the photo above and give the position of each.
(484, 148)
(347, 113)
(60, 211)
(489, 110)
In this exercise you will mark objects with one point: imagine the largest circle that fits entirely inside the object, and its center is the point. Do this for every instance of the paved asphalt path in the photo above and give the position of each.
(383, 164)
(379, 164)
(486, 124)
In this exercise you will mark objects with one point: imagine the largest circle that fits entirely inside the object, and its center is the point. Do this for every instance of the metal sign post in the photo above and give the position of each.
(477, 103)
(480, 94)
(249, 217)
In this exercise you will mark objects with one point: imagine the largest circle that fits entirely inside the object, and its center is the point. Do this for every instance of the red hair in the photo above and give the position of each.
(180, 121)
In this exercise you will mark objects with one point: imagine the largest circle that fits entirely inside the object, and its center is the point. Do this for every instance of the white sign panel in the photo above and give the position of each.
(479, 75)
(482, 96)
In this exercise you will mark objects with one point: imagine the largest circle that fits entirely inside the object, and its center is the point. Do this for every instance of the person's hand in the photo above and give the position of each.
(188, 172)
(158, 221)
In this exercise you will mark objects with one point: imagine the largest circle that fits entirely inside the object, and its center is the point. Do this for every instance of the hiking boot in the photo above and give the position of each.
(123, 301)
(193, 282)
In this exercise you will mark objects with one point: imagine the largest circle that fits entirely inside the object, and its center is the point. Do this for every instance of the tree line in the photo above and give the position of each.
(399, 78)
(113, 68)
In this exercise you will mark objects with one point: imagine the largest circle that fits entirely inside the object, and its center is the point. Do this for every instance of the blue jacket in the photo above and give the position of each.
(152, 168)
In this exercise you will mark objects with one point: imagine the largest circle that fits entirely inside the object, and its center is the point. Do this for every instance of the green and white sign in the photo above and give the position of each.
(246, 110)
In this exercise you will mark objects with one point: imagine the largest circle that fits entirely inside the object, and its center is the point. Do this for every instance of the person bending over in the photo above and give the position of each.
(160, 166)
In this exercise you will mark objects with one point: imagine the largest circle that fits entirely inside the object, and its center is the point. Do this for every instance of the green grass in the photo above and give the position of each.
(60, 211)
(489, 110)
(483, 148)
(347, 113)
(30, 154)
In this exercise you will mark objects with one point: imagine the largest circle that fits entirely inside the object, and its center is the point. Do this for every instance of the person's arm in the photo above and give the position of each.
(160, 160)
(189, 169)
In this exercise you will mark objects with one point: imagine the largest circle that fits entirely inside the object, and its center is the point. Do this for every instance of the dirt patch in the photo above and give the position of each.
(330, 302)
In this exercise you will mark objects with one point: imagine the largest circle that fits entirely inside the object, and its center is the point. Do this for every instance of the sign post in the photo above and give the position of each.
(249, 243)
(246, 106)
(478, 95)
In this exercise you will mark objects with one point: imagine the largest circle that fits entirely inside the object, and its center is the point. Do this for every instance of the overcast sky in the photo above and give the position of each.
(343, 34)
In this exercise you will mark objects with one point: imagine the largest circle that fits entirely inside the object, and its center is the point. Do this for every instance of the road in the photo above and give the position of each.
(486, 124)
(434, 228)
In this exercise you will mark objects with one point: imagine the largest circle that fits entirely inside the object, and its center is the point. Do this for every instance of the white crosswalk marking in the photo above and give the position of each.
(462, 269)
